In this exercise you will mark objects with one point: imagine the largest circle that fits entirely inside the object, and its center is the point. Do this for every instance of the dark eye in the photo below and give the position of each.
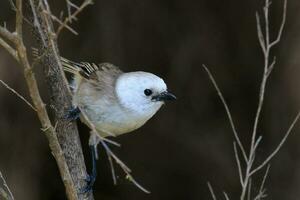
(147, 92)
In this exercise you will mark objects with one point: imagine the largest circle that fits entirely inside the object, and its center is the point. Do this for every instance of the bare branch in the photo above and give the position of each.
(211, 191)
(249, 189)
(261, 38)
(36, 22)
(271, 67)
(267, 160)
(4, 189)
(281, 26)
(9, 49)
(238, 164)
(17, 94)
(7, 35)
(228, 113)
(266, 15)
(19, 19)
(72, 16)
(61, 23)
(264, 179)
(111, 155)
(226, 196)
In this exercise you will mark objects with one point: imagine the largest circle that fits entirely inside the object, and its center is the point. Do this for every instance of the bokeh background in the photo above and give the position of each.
(189, 142)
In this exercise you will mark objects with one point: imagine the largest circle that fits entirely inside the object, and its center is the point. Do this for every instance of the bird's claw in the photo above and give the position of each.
(90, 180)
(72, 114)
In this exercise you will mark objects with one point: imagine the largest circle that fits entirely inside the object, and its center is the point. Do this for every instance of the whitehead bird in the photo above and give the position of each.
(114, 101)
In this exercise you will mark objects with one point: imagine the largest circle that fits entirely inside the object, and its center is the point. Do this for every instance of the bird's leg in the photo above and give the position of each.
(91, 178)
(73, 114)
(94, 141)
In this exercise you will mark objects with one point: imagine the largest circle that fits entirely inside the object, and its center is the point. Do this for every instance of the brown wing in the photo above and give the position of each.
(104, 77)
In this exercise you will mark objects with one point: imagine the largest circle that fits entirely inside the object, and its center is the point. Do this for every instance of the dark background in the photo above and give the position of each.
(188, 142)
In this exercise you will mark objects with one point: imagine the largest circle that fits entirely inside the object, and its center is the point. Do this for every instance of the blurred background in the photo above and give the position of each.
(189, 142)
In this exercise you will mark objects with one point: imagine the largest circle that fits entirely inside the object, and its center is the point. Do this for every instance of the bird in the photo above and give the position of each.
(115, 102)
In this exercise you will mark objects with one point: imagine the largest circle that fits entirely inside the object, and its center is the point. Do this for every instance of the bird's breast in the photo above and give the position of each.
(115, 120)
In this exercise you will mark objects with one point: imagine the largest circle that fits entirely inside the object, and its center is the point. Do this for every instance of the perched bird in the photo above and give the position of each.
(115, 102)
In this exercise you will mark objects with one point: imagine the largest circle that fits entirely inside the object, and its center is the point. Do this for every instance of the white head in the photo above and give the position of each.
(142, 92)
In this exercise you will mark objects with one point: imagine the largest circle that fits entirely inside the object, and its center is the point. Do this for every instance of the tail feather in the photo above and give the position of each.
(71, 67)
(81, 69)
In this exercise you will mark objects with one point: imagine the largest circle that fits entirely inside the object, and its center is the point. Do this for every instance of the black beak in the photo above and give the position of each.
(164, 96)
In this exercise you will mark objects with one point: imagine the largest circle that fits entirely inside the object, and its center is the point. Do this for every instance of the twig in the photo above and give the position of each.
(4, 189)
(238, 163)
(18, 95)
(226, 196)
(262, 191)
(36, 22)
(111, 155)
(249, 189)
(72, 16)
(213, 196)
(10, 49)
(61, 23)
(266, 45)
(267, 160)
(17, 40)
(281, 26)
(228, 112)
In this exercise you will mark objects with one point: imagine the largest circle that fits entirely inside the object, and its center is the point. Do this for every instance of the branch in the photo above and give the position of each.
(211, 191)
(281, 26)
(267, 160)
(4, 189)
(227, 112)
(66, 131)
(72, 16)
(9, 49)
(238, 164)
(17, 94)
(68, 172)
(93, 141)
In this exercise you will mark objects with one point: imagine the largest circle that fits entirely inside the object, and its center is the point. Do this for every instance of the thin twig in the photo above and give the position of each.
(238, 163)
(226, 196)
(36, 22)
(6, 34)
(4, 189)
(111, 155)
(61, 23)
(261, 38)
(17, 94)
(9, 49)
(72, 16)
(211, 191)
(249, 189)
(281, 26)
(267, 160)
(227, 111)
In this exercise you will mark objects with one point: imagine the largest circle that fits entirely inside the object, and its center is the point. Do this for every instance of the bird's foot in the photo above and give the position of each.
(91, 178)
(72, 114)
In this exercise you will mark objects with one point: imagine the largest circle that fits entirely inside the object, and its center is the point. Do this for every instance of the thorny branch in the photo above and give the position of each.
(246, 174)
